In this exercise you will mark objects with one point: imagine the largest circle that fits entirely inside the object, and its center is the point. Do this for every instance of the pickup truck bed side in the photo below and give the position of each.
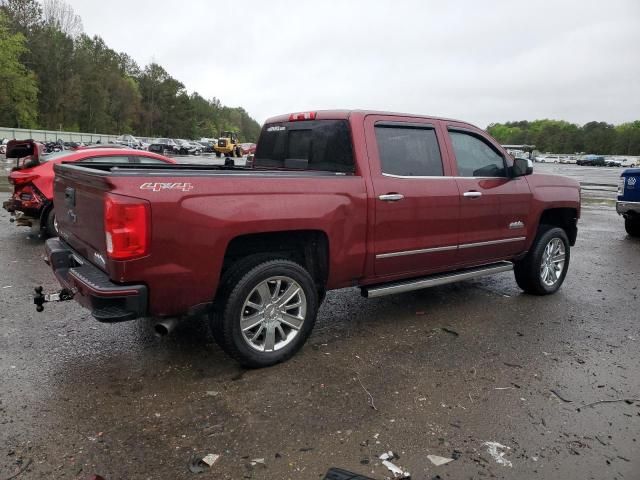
(187, 265)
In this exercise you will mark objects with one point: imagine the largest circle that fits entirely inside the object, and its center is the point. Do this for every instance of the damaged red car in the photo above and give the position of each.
(32, 177)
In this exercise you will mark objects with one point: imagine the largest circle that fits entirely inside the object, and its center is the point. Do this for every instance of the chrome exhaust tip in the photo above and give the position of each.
(165, 327)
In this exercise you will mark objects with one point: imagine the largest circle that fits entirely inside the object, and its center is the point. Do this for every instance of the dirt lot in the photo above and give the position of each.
(447, 370)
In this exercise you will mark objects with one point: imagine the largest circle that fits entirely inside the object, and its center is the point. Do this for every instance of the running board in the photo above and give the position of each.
(434, 280)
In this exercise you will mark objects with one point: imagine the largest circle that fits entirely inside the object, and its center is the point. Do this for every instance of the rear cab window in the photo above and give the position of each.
(322, 145)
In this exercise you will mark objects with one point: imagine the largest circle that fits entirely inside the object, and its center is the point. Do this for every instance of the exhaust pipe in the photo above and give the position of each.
(165, 327)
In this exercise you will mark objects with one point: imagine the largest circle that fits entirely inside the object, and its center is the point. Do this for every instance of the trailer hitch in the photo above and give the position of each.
(39, 299)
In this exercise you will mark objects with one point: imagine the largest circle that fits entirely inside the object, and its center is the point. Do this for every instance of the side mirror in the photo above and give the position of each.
(521, 167)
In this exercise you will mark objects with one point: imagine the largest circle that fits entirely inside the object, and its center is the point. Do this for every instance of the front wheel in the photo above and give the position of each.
(632, 226)
(543, 270)
(265, 312)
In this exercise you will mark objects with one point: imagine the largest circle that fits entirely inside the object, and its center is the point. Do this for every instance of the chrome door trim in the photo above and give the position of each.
(416, 252)
(491, 242)
(472, 194)
(448, 248)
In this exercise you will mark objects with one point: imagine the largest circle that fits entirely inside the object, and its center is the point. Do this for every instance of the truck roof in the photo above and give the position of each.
(345, 114)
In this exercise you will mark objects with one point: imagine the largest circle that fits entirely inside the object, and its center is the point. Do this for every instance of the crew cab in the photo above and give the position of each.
(381, 201)
(628, 203)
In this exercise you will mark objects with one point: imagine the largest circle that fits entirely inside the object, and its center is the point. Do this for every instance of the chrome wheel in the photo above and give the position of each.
(553, 259)
(273, 314)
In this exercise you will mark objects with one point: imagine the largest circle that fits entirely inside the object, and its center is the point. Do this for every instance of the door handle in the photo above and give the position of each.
(472, 194)
(391, 197)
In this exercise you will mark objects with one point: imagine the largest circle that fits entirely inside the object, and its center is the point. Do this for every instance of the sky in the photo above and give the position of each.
(480, 61)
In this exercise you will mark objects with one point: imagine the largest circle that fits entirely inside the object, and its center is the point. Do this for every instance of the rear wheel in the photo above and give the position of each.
(544, 268)
(51, 224)
(632, 226)
(265, 312)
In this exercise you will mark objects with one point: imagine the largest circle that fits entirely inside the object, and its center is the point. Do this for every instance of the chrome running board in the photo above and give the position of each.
(373, 291)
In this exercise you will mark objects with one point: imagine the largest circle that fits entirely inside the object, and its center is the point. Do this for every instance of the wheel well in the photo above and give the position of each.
(309, 248)
(565, 218)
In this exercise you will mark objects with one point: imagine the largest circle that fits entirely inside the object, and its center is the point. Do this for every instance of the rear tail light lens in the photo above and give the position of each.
(17, 178)
(127, 226)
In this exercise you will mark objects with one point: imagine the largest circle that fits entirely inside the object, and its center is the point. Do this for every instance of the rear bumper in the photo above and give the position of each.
(627, 207)
(92, 288)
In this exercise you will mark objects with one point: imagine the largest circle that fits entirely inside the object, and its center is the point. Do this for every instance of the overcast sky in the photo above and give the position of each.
(480, 61)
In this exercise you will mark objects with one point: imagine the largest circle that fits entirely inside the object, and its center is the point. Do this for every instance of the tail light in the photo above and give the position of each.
(17, 178)
(127, 226)
(302, 116)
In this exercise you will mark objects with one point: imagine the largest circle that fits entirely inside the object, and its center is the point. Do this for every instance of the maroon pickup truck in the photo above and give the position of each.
(381, 201)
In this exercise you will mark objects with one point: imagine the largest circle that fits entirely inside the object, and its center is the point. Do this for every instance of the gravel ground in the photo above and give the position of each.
(447, 370)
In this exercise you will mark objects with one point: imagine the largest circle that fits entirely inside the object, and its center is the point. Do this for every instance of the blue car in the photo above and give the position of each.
(628, 204)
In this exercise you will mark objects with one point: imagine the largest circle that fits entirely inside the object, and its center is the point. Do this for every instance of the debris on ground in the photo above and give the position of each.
(257, 461)
(513, 365)
(397, 471)
(565, 400)
(628, 401)
(494, 449)
(438, 460)
(212, 393)
(22, 470)
(388, 456)
(450, 331)
(210, 459)
(199, 465)
(369, 396)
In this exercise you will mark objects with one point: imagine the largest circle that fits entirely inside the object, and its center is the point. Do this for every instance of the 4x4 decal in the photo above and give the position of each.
(159, 186)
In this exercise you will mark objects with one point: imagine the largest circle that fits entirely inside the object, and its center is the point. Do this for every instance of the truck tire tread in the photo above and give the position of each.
(632, 226)
(527, 270)
(224, 314)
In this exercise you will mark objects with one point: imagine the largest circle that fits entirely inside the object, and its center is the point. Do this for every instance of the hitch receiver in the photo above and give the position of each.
(39, 299)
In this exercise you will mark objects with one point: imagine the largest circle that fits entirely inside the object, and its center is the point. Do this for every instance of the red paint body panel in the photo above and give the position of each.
(191, 230)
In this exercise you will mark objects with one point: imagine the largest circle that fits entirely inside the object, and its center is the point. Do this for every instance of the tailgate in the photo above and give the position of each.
(78, 198)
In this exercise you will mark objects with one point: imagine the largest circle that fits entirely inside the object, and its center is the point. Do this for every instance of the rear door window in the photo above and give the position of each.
(409, 151)
(306, 145)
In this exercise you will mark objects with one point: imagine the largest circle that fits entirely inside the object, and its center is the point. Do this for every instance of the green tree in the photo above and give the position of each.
(18, 91)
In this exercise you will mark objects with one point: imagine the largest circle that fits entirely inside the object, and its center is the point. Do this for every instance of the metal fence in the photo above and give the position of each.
(52, 135)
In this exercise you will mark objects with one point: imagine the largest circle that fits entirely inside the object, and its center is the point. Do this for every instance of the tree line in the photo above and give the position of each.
(55, 77)
(558, 136)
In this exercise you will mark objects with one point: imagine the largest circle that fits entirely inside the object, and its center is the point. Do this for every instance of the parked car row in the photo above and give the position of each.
(227, 146)
(588, 160)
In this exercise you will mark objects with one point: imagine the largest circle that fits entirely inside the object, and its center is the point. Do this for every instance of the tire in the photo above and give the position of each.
(238, 152)
(273, 338)
(218, 154)
(51, 224)
(632, 226)
(531, 276)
